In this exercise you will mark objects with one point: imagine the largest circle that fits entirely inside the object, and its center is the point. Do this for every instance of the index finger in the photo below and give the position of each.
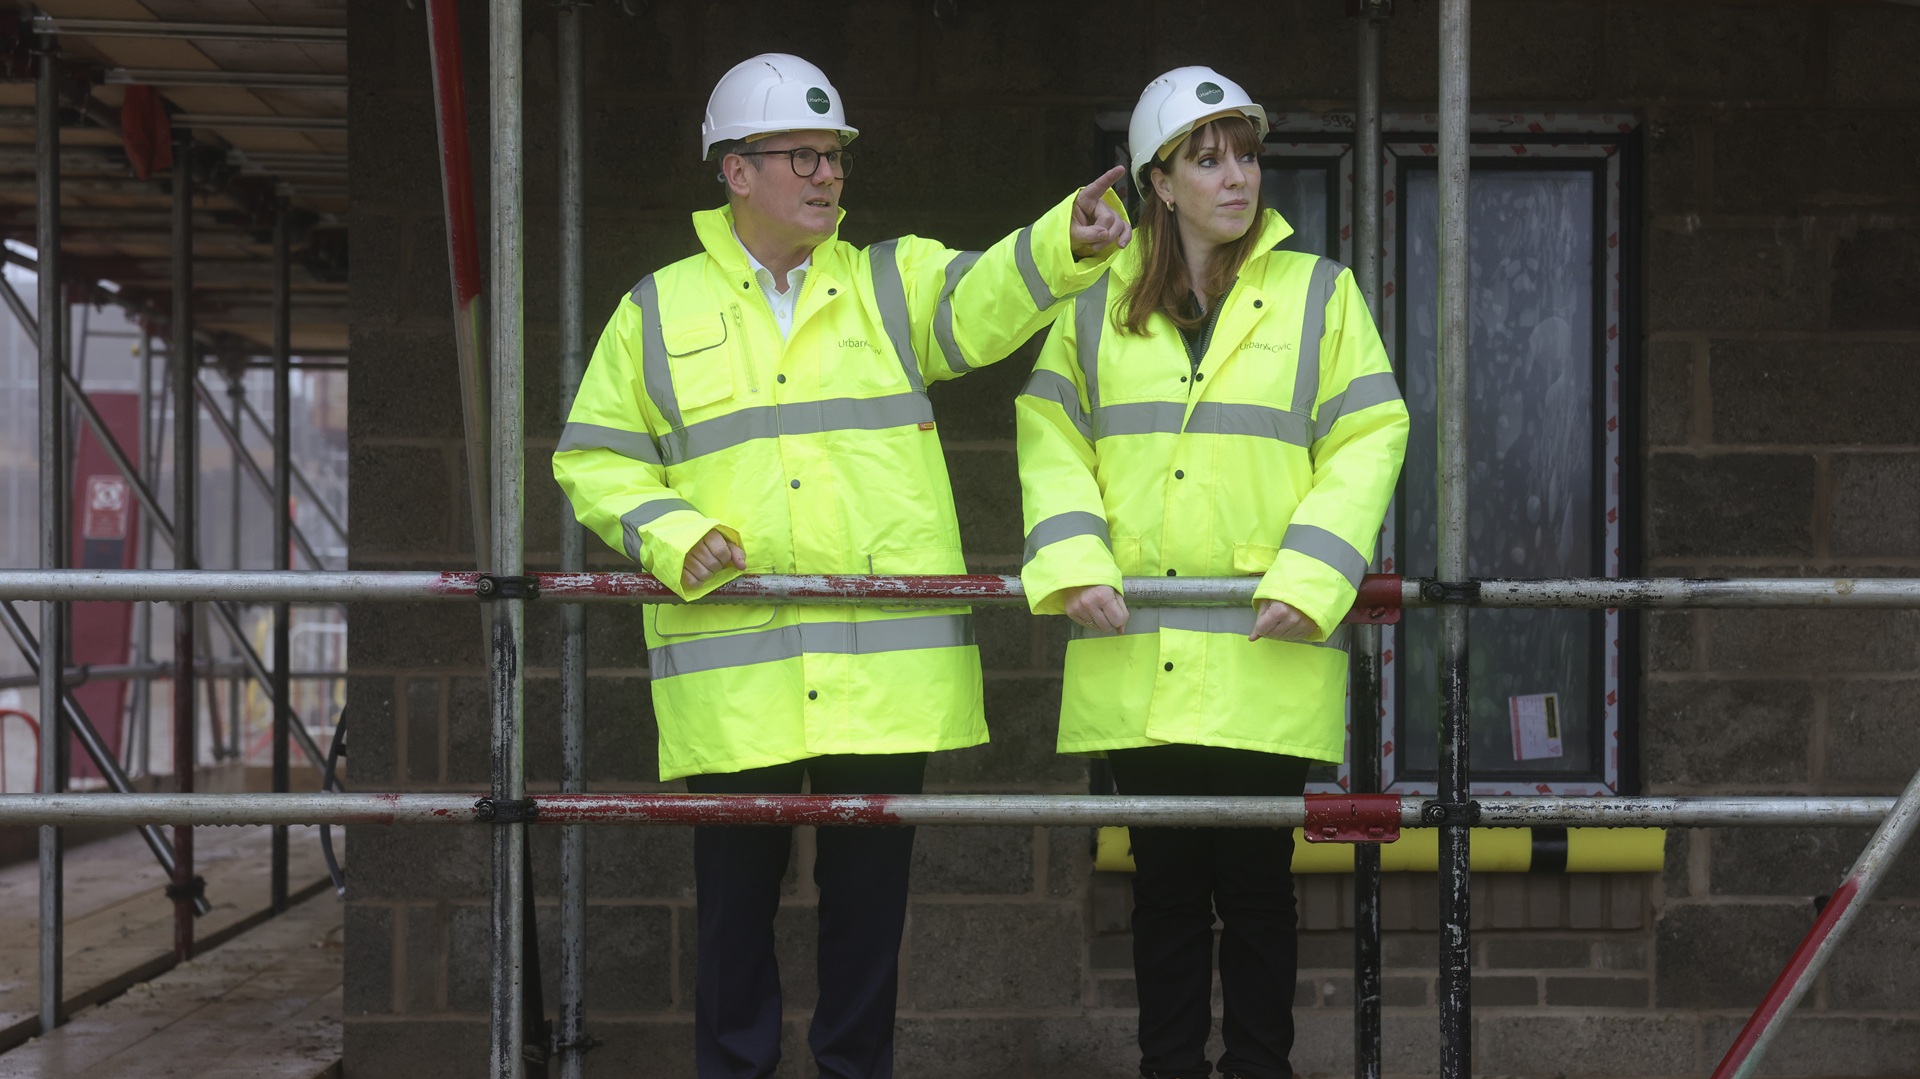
(1090, 194)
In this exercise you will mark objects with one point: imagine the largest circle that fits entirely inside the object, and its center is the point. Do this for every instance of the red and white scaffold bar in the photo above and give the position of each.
(1380, 594)
(1326, 817)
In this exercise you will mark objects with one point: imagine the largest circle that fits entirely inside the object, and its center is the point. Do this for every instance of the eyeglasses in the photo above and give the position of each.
(806, 160)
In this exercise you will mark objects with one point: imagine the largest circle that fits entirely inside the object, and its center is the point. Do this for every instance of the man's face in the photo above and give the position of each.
(798, 209)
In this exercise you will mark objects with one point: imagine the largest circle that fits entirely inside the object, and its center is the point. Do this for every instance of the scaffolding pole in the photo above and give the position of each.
(1364, 662)
(880, 810)
(244, 462)
(570, 1040)
(508, 1044)
(1455, 787)
(139, 713)
(282, 540)
(53, 520)
(182, 358)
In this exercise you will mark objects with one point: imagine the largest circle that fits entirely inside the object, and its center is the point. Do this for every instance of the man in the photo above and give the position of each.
(761, 407)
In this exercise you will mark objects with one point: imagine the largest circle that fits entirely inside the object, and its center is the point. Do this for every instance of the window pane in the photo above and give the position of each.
(1532, 451)
(1301, 196)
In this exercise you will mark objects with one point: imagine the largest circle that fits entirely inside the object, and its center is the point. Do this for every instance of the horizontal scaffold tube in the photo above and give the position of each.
(1014, 809)
(1378, 592)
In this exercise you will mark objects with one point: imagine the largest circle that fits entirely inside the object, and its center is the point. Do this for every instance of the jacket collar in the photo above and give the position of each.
(717, 234)
(1271, 227)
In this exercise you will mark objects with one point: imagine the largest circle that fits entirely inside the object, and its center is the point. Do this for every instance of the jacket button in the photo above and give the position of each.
(1256, 303)
(779, 378)
(1169, 666)
(746, 284)
(833, 292)
(794, 484)
(813, 694)
(1198, 377)
(1179, 475)
(1173, 573)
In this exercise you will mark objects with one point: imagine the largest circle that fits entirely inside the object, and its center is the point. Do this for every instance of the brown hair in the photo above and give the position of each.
(1164, 283)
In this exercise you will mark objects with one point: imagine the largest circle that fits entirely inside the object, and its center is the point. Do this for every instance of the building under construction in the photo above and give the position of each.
(326, 733)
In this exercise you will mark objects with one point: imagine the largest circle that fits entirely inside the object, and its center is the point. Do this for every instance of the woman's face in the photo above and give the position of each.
(1212, 189)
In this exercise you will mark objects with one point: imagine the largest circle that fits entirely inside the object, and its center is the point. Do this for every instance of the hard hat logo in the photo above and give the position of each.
(1210, 93)
(818, 101)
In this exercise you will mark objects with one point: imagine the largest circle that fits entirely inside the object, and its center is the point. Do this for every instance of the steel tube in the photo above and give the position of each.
(506, 436)
(276, 122)
(1749, 592)
(78, 675)
(282, 538)
(53, 519)
(183, 359)
(1048, 810)
(57, 25)
(244, 462)
(1895, 832)
(140, 712)
(1454, 785)
(1364, 664)
(463, 255)
(251, 80)
(236, 393)
(307, 490)
(570, 64)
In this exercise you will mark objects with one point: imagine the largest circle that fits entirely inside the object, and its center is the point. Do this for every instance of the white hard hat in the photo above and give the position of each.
(1175, 103)
(771, 92)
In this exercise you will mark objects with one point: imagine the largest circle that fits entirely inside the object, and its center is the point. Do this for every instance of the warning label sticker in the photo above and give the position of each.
(1536, 726)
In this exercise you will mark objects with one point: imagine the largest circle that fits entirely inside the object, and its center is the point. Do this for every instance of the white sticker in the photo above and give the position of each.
(1536, 726)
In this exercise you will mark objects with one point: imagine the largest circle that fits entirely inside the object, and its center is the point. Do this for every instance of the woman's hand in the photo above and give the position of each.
(1097, 606)
(1095, 224)
(705, 559)
(1280, 621)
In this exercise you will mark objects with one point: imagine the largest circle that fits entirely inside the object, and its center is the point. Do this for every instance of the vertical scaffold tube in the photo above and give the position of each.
(572, 1039)
(1364, 708)
(53, 518)
(505, 44)
(133, 759)
(183, 361)
(282, 538)
(1456, 1025)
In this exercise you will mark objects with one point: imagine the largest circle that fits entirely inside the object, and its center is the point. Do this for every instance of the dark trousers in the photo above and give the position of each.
(1182, 877)
(862, 876)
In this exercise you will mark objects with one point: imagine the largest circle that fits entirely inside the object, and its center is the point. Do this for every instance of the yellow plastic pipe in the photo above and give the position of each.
(1494, 850)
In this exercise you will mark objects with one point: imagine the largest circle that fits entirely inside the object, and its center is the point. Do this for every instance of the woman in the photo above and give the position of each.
(1215, 406)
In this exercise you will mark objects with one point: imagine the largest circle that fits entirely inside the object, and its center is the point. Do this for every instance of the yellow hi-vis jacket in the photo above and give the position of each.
(1277, 459)
(816, 453)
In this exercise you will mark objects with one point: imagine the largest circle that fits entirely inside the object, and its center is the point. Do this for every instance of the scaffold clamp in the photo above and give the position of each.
(193, 889)
(489, 586)
(1352, 818)
(506, 810)
(1440, 813)
(1450, 592)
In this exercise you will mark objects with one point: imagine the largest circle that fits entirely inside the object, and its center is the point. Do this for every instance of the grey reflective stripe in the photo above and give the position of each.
(1257, 421)
(1139, 418)
(1089, 317)
(653, 353)
(1313, 323)
(1237, 621)
(1055, 387)
(1362, 393)
(633, 445)
(791, 642)
(1030, 270)
(645, 513)
(943, 314)
(798, 418)
(1323, 546)
(891, 294)
(1062, 526)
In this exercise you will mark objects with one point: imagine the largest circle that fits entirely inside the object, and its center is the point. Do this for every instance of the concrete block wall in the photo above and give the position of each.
(1782, 220)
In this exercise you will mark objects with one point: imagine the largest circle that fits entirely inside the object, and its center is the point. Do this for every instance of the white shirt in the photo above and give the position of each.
(782, 303)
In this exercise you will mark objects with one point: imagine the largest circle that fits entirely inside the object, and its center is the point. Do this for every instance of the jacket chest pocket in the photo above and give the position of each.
(699, 359)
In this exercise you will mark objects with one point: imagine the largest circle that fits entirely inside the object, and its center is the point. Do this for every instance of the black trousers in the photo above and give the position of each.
(862, 876)
(1182, 877)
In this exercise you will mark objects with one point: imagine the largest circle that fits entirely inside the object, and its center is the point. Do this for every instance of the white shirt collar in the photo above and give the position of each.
(794, 276)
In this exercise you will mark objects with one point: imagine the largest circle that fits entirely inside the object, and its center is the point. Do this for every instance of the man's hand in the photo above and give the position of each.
(1097, 606)
(1280, 621)
(1096, 226)
(705, 559)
